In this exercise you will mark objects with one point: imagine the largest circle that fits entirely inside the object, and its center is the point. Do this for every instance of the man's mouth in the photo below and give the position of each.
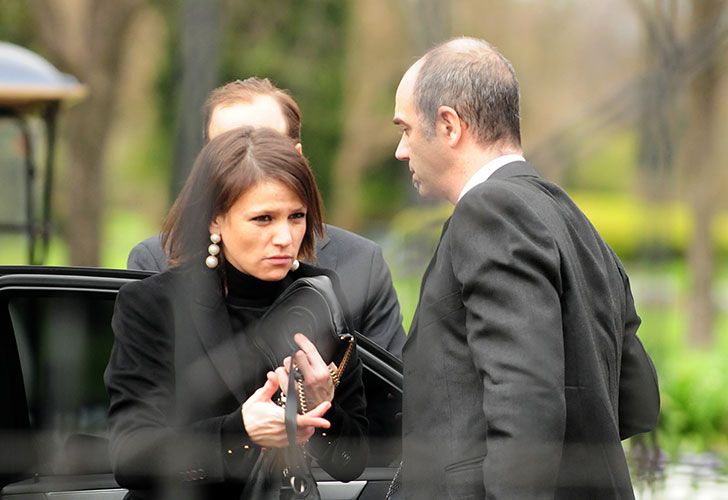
(415, 181)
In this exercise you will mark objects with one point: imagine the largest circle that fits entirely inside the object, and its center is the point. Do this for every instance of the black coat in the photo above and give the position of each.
(522, 368)
(177, 378)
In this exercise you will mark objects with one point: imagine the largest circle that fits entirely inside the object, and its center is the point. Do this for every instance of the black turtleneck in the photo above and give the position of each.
(248, 297)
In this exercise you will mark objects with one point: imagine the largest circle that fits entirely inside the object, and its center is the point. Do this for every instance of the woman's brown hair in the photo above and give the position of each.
(227, 166)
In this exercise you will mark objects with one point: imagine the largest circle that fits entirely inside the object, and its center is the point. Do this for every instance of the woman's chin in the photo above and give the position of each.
(273, 274)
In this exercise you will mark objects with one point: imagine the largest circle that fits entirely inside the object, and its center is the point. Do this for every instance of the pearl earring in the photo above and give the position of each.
(295, 265)
(214, 249)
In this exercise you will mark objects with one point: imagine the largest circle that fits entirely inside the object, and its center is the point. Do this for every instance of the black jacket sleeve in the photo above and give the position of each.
(343, 449)
(639, 395)
(509, 273)
(147, 442)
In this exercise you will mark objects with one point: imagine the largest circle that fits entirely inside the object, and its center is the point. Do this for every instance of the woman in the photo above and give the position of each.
(191, 400)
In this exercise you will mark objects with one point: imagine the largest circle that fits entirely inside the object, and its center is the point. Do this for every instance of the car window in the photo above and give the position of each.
(63, 345)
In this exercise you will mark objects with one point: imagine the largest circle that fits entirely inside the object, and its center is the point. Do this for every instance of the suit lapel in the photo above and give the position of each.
(514, 169)
(212, 324)
(413, 327)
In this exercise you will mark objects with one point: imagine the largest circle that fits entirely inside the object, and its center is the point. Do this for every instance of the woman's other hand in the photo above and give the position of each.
(264, 420)
(317, 382)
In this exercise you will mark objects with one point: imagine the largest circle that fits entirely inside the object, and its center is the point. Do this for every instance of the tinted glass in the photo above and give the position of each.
(63, 345)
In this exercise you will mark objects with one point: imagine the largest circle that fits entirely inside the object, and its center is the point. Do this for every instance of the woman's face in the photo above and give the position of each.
(263, 230)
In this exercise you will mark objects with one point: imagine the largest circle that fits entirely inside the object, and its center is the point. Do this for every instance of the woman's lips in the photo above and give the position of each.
(280, 260)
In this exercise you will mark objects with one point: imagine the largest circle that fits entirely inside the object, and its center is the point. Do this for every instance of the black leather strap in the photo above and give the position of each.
(291, 407)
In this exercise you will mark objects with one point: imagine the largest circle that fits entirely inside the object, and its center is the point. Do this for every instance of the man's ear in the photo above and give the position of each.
(449, 124)
(299, 148)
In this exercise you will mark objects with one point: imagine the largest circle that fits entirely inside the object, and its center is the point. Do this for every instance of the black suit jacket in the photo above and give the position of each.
(177, 377)
(365, 281)
(522, 368)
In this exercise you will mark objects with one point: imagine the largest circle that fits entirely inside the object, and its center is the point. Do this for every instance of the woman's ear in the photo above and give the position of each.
(215, 225)
(299, 148)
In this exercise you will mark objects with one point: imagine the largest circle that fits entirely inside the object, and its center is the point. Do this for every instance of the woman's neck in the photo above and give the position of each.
(246, 290)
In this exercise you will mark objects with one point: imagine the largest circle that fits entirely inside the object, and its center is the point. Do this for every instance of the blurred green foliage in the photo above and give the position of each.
(298, 45)
(15, 22)
(693, 384)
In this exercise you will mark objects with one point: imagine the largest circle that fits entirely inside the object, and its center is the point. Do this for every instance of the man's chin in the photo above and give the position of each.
(423, 191)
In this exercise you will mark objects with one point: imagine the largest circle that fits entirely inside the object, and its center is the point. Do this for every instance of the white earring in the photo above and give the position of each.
(295, 265)
(214, 249)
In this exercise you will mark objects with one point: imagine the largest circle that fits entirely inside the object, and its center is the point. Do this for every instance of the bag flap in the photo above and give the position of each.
(308, 306)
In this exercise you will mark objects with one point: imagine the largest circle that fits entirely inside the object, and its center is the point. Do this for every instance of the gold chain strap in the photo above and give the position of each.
(335, 377)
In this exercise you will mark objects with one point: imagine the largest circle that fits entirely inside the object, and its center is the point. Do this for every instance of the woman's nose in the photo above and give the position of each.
(282, 236)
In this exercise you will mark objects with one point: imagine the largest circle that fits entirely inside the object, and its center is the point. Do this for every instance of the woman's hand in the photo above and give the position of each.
(264, 420)
(317, 383)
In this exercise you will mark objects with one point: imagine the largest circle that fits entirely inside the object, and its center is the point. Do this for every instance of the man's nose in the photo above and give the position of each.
(402, 152)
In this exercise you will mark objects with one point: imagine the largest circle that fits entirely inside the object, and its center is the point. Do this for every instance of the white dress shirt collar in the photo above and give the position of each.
(487, 170)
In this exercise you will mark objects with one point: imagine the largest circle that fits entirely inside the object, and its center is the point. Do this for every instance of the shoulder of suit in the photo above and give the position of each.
(155, 285)
(504, 197)
(493, 190)
(152, 241)
(344, 238)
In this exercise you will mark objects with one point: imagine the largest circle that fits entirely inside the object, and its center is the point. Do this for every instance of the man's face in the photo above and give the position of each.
(424, 154)
(262, 111)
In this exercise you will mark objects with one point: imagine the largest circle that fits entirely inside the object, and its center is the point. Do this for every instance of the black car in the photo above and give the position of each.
(55, 339)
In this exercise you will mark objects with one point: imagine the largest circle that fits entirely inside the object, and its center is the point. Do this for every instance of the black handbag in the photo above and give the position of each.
(309, 306)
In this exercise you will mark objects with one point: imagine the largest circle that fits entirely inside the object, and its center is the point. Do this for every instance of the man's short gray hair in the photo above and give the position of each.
(478, 82)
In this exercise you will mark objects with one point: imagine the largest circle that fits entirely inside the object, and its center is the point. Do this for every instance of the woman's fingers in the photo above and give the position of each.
(314, 418)
(266, 392)
(308, 421)
(281, 375)
(301, 361)
(310, 363)
(320, 410)
(307, 347)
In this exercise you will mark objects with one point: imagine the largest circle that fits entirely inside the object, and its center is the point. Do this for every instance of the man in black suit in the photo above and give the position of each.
(364, 276)
(522, 368)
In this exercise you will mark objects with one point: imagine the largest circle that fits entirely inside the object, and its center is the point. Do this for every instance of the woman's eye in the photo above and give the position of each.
(298, 215)
(262, 218)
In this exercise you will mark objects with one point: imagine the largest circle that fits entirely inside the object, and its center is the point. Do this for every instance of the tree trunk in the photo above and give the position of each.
(200, 40)
(374, 30)
(87, 38)
(700, 171)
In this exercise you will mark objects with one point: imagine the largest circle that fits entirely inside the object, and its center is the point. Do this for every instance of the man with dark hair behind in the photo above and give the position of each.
(365, 277)
(522, 368)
